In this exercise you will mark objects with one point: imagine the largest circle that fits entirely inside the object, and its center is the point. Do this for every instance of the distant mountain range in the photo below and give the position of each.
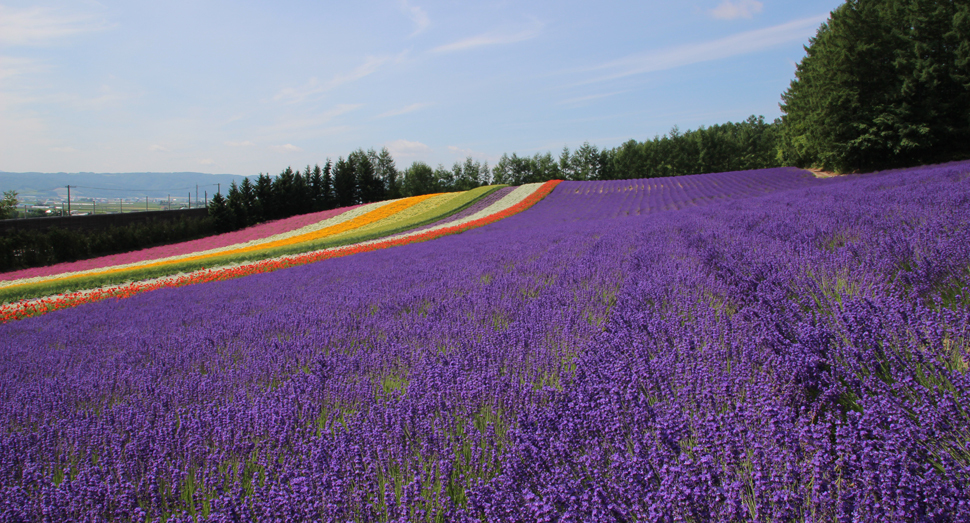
(42, 186)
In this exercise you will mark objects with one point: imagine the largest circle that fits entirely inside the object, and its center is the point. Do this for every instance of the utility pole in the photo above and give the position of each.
(121, 206)
(68, 200)
(190, 199)
(196, 194)
(206, 199)
(219, 188)
(170, 202)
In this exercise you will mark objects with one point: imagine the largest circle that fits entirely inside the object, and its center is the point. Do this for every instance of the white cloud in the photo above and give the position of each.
(405, 110)
(207, 161)
(405, 148)
(462, 153)
(286, 148)
(741, 43)
(247, 143)
(417, 15)
(314, 88)
(729, 10)
(158, 148)
(492, 38)
(39, 25)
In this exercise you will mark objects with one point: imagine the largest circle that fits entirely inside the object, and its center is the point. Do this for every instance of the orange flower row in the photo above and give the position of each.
(24, 309)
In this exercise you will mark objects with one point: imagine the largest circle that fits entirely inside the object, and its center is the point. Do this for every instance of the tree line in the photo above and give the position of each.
(25, 248)
(751, 144)
(371, 176)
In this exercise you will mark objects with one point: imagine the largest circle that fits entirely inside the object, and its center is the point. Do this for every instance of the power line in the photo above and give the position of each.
(139, 190)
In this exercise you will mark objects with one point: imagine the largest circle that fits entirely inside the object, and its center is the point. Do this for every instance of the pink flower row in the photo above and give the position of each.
(256, 232)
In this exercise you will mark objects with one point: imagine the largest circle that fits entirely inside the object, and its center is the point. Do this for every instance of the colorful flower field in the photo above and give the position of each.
(753, 346)
(350, 229)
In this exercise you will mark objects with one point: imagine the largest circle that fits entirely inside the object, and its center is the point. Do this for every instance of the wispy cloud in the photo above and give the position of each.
(14, 66)
(741, 43)
(581, 99)
(407, 149)
(207, 161)
(311, 122)
(405, 110)
(417, 15)
(40, 25)
(247, 143)
(285, 148)
(729, 10)
(157, 148)
(492, 38)
(314, 88)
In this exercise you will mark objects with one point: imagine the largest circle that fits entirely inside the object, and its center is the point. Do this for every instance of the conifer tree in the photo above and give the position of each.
(344, 182)
(885, 83)
(326, 193)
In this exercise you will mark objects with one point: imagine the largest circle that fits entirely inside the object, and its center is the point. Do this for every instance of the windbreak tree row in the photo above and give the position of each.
(20, 249)
(363, 177)
(751, 144)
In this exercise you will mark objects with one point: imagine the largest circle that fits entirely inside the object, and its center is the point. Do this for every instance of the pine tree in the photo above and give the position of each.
(369, 187)
(326, 193)
(387, 173)
(344, 182)
(254, 212)
(316, 189)
(221, 217)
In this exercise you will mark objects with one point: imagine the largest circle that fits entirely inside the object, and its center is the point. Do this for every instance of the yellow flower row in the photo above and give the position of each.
(434, 201)
(378, 214)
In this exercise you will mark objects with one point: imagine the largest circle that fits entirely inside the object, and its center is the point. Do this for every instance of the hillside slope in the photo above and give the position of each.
(793, 355)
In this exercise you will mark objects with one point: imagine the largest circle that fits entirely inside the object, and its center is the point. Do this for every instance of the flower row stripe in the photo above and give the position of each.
(349, 214)
(256, 233)
(367, 218)
(33, 307)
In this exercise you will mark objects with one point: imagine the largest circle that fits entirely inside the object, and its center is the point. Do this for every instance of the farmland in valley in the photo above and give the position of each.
(758, 345)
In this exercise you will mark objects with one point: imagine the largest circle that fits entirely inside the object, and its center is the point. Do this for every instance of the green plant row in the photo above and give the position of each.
(94, 281)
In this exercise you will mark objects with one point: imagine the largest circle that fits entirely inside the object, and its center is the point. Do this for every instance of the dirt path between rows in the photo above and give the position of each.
(824, 174)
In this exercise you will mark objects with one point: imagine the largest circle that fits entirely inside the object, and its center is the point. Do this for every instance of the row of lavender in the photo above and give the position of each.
(799, 355)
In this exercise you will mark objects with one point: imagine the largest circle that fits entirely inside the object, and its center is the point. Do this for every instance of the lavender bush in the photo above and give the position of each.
(742, 346)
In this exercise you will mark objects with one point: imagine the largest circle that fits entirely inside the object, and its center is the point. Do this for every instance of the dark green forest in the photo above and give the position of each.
(24, 248)
(884, 83)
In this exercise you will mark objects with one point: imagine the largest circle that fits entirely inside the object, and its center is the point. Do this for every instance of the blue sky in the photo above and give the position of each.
(245, 87)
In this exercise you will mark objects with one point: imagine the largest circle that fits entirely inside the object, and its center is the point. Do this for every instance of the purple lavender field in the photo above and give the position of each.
(755, 346)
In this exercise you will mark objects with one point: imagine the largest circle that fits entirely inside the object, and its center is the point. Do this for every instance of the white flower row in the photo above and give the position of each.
(513, 198)
(329, 222)
(509, 200)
